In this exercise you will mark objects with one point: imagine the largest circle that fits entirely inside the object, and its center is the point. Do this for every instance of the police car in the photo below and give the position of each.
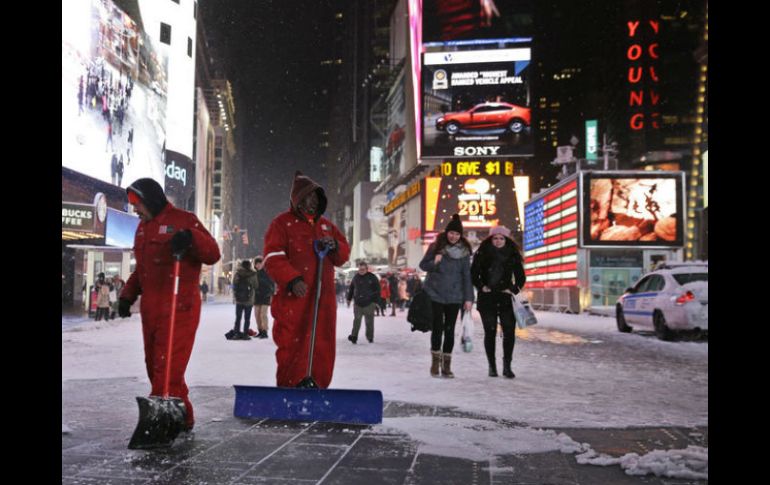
(672, 298)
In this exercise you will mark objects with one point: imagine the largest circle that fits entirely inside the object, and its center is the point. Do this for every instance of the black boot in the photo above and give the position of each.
(508, 342)
(507, 372)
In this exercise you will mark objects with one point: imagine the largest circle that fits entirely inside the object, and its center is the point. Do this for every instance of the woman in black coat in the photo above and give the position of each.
(497, 260)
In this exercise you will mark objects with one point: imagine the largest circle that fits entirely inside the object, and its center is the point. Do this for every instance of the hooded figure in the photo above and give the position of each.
(163, 231)
(291, 263)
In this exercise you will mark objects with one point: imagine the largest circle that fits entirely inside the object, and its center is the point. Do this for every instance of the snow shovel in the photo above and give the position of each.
(162, 418)
(307, 402)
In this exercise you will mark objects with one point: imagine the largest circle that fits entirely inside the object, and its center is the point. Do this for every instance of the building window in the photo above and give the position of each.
(189, 47)
(165, 33)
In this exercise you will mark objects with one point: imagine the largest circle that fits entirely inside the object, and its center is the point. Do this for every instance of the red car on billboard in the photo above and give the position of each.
(486, 115)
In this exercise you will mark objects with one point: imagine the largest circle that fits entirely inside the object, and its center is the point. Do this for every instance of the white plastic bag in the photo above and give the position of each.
(525, 317)
(467, 333)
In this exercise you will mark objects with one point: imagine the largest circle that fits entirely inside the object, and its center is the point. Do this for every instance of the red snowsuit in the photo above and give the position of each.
(289, 254)
(153, 278)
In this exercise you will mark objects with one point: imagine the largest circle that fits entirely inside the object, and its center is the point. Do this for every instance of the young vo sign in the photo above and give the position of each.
(643, 80)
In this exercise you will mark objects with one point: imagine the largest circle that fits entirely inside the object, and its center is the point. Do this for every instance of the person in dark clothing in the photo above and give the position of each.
(364, 290)
(448, 263)
(204, 291)
(413, 285)
(393, 281)
(495, 262)
(262, 297)
(245, 283)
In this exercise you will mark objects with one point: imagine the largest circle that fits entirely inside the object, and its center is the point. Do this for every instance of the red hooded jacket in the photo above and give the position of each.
(289, 254)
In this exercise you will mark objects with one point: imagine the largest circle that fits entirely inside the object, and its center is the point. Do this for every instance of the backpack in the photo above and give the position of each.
(420, 313)
(242, 289)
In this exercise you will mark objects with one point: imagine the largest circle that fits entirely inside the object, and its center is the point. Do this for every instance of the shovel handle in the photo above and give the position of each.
(172, 320)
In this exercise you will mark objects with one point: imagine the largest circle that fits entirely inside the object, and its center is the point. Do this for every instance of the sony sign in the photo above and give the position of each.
(176, 173)
(476, 151)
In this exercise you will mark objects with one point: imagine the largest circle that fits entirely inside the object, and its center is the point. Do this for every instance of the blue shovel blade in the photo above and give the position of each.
(348, 406)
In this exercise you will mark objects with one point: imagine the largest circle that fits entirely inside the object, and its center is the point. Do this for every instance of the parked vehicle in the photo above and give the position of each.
(672, 298)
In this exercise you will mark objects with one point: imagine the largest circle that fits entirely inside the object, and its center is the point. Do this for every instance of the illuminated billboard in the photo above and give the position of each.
(446, 21)
(633, 209)
(551, 237)
(481, 192)
(476, 103)
(114, 88)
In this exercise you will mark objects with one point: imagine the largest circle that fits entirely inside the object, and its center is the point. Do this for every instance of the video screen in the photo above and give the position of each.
(631, 209)
(476, 103)
(114, 85)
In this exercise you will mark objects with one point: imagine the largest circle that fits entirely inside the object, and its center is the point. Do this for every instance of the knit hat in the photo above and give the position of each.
(500, 230)
(151, 194)
(302, 187)
(455, 224)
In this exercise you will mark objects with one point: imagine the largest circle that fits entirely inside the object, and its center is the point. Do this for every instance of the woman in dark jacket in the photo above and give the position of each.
(448, 284)
(496, 261)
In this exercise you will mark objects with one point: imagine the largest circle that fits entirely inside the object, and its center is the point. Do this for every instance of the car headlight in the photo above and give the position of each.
(440, 120)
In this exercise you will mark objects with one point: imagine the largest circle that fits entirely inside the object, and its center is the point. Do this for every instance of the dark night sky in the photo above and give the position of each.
(271, 51)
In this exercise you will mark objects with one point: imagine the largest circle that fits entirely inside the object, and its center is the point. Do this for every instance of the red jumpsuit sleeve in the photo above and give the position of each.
(275, 257)
(204, 247)
(132, 289)
(342, 254)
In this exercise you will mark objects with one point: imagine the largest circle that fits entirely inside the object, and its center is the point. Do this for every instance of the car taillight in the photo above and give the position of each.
(685, 298)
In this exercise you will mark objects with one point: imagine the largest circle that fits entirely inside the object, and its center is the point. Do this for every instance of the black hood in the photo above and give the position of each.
(151, 194)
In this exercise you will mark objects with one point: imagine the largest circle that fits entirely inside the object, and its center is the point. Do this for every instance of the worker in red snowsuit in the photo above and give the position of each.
(291, 262)
(164, 231)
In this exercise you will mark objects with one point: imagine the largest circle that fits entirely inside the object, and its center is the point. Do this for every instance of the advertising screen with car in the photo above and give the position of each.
(476, 102)
(633, 209)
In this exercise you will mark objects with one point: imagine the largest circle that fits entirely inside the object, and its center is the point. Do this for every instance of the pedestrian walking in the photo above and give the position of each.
(497, 273)
(448, 284)
(262, 297)
(245, 283)
(364, 291)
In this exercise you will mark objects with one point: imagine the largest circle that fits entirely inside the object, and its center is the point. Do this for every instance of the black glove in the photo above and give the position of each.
(124, 308)
(329, 243)
(181, 242)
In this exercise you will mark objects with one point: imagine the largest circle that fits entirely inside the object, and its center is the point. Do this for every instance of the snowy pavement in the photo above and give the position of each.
(583, 390)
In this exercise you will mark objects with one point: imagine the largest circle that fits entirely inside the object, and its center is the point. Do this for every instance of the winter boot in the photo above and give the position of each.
(446, 366)
(492, 369)
(507, 372)
(436, 356)
(352, 338)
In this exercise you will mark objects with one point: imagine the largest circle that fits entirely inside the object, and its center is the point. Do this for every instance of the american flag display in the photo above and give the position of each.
(551, 237)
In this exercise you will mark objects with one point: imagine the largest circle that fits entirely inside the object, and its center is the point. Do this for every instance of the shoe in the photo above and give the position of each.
(492, 371)
(371, 340)
(243, 336)
(252, 333)
(352, 338)
(262, 334)
(507, 372)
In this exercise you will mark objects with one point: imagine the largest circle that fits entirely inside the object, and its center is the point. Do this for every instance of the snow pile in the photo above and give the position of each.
(690, 463)
(474, 439)
(478, 440)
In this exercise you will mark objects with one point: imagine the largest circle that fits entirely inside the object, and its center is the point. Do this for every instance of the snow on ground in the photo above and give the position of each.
(571, 371)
